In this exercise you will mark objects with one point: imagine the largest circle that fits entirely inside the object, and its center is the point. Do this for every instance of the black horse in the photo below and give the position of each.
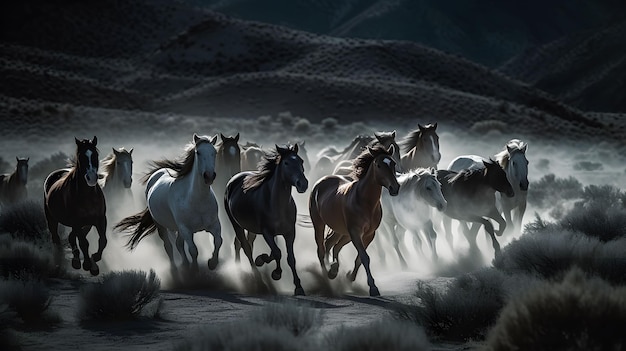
(261, 203)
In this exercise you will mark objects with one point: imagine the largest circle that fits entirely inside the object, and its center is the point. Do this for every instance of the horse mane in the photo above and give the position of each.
(361, 164)
(410, 141)
(265, 169)
(465, 175)
(181, 165)
(503, 157)
(416, 175)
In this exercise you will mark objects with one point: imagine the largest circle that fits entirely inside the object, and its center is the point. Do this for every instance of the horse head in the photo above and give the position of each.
(385, 168)
(124, 164)
(205, 154)
(430, 142)
(387, 139)
(292, 167)
(497, 179)
(518, 165)
(22, 169)
(87, 159)
(431, 190)
(230, 146)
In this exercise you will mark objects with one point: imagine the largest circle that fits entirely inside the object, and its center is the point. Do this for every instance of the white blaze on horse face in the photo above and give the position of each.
(387, 161)
(232, 151)
(91, 174)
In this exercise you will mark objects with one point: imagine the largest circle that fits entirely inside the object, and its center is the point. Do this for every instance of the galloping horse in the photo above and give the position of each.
(13, 186)
(180, 200)
(386, 139)
(352, 209)
(329, 157)
(74, 199)
(421, 147)
(411, 208)
(471, 197)
(513, 160)
(261, 203)
(251, 155)
(118, 176)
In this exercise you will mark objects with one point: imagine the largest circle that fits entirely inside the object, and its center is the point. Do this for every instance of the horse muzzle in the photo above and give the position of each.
(394, 189)
(128, 183)
(209, 179)
(442, 206)
(510, 193)
(301, 185)
(91, 179)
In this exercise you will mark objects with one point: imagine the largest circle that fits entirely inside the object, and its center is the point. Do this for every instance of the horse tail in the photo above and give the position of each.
(142, 224)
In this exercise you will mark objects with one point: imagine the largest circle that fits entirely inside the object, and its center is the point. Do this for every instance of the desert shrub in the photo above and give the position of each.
(295, 318)
(329, 123)
(551, 253)
(603, 195)
(578, 313)
(465, 310)
(29, 299)
(243, 335)
(382, 335)
(120, 296)
(302, 126)
(19, 258)
(550, 190)
(596, 220)
(588, 166)
(25, 220)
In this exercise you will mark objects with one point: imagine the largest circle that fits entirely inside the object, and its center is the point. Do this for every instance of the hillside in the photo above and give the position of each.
(587, 70)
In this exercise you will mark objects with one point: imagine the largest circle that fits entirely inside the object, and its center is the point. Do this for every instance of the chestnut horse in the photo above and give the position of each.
(74, 199)
(350, 207)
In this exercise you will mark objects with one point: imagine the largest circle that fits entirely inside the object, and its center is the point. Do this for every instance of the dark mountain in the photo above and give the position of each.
(485, 31)
(587, 70)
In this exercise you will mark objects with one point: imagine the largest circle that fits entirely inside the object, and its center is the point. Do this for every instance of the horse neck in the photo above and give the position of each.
(196, 187)
(367, 190)
(78, 181)
(280, 191)
(14, 178)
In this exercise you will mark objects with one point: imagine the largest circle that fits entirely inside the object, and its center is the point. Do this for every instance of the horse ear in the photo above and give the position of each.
(295, 148)
(213, 139)
(420, 127)
(435, 125)
(17, 159)
(237, 137)
(378, 136)
(130, 152)
(196, 138)
(302, 143)
(77, 141)
(27, 159)
(524, 148)
(370, 150)
(94, 141)
(115, 151)
(222, 136)
(393, 134)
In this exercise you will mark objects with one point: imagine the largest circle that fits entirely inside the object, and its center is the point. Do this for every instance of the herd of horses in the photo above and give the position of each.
(375, 184)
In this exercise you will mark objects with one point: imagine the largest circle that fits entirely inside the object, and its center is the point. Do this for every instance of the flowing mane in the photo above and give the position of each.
(361, 164)
(416, 175)
(182, 165)
(265, 169)
(410, 141)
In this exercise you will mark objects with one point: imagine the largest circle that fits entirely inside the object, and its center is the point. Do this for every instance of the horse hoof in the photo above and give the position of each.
(95, 270)
(276, 274)
(374, 291)
(350, 276)
(334, 269)
(96, 257)
(87, 264)
(261, 260)
(212, 264)
(299, 291)
(76, 263)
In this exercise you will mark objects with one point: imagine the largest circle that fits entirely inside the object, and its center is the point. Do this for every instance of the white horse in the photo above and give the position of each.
(513, 160)
(180, 200)
(117, 177)
(411, 209)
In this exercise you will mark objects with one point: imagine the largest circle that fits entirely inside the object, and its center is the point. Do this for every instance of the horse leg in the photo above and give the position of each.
(237, 244)
(389, 226)
(363, 257)
(187, 235)
(102, 243)
(180, 246)
(447, 227)
(73, 245)
(331, 240)
(84, 247)
(431, 236)
(216, 230)
(470, 232)
(519, 216)
(291, 261)
(169, 249)
(275, 254)
(495, 215)
(490, 230)
(334, 267)
(53, 226)
(318, 228)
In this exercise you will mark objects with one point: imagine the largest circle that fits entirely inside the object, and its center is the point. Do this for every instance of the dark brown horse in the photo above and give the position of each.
(471, 196)
(261, 203)
(13, 186)
(421, 147)
(352, 209)
(74, 199)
